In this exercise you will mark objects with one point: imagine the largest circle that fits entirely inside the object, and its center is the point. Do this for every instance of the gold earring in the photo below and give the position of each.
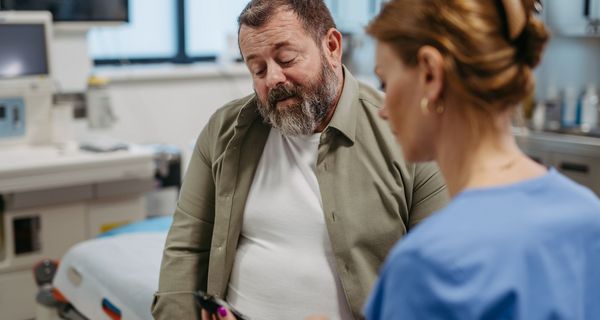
(425, 106)
(440, 109)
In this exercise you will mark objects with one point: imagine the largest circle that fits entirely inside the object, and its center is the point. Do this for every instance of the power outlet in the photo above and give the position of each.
(12, 117)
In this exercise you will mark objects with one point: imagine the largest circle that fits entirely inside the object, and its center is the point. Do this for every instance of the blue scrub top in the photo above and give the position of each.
(529, 250)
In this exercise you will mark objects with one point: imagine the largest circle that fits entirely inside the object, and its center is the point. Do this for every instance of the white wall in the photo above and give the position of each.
(168, 106)
(572, 58)
(71, 64)
(569, 62)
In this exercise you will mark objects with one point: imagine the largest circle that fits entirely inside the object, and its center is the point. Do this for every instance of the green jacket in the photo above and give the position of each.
(371, 197)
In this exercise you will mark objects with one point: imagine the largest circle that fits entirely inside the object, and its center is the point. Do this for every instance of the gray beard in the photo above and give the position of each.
(304, 117)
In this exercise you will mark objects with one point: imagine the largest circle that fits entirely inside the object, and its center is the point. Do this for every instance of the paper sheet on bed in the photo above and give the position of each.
(123, 269)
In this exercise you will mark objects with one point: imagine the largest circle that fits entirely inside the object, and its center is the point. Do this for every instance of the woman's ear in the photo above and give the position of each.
(432, 74)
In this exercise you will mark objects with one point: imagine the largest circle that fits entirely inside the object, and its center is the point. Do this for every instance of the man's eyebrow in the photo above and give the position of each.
(277, 46)
(250, 57)
(282, 44)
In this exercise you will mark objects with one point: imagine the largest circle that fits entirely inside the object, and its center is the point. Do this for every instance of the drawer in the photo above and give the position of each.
(17, 295)
(31, 235)
(583, 169)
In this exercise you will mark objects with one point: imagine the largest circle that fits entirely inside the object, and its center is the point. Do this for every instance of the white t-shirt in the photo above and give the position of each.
(284, 266)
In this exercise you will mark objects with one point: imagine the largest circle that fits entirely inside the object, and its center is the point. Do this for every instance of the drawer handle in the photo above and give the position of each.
(575, 167)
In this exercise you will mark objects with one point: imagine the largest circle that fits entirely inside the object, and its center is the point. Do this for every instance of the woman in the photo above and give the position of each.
(517, 241)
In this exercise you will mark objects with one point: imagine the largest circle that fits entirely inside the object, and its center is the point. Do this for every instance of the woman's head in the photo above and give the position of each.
(469, 59)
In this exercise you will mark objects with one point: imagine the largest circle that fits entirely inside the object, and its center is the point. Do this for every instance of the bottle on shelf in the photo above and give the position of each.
(569, 108)
(589, 109)
(539, 116)
(552, 112)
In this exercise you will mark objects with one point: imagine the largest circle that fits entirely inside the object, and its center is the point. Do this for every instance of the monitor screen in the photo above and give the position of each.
(74, 10)
(22, 50)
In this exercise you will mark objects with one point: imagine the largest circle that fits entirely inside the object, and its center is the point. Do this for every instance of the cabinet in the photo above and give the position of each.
(33, 234)
(49, 201)
(583, 169)
(576, 157)
(47, 232)
(573, 17)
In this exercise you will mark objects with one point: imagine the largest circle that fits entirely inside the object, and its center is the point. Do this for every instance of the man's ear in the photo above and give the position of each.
(432, 73)
(332, 46)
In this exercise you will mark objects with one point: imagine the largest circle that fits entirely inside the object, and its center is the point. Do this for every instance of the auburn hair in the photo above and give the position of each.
(483, 65)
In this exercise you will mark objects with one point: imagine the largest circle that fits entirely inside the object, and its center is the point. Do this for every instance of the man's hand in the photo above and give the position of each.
(222, 314)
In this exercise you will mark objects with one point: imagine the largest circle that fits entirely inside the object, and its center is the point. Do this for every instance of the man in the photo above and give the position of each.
(295, 194)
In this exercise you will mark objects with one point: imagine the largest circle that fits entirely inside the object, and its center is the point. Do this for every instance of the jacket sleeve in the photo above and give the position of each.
(429, 192)
(184, 267)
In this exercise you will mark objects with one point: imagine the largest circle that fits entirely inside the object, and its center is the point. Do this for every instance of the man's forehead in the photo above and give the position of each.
(276, 25)
(270, 36)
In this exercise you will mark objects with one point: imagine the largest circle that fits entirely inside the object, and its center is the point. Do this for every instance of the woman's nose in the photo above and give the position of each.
(383, 112)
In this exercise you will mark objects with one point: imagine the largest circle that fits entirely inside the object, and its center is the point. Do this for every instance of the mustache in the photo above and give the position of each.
(282, 92)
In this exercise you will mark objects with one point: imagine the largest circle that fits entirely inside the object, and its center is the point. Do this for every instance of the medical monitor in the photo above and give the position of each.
(24, 44)
(75, 10)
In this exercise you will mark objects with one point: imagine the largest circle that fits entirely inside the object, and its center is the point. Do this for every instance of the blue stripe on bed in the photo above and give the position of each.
(159, 224)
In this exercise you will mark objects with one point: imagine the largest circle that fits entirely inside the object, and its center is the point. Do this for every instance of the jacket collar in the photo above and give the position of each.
(345, 116)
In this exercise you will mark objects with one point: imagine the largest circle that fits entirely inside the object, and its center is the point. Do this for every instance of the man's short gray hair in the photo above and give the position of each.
(313, 14)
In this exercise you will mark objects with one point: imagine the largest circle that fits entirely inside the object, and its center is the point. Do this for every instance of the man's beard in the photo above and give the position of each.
(303, 117)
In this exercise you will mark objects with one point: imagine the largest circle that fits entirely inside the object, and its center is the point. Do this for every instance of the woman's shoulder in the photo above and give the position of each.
(438, 239)
(497, 224)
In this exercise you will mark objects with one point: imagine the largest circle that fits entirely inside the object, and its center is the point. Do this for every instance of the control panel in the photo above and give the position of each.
(12, 117)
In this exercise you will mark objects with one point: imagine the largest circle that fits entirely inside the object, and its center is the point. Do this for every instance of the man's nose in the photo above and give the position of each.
(275, 76)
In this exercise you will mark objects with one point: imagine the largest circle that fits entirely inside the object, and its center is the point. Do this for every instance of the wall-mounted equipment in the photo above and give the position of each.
(12, 117)
(574, 18)
(26, 83)
(74, 11)
(19, 58)
(72, 21)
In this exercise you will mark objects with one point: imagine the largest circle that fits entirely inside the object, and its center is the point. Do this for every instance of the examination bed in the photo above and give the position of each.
(115, 275)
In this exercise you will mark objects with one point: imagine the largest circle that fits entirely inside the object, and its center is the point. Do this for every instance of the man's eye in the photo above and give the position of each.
(286, 61)
(260, 72)
(382, 86)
